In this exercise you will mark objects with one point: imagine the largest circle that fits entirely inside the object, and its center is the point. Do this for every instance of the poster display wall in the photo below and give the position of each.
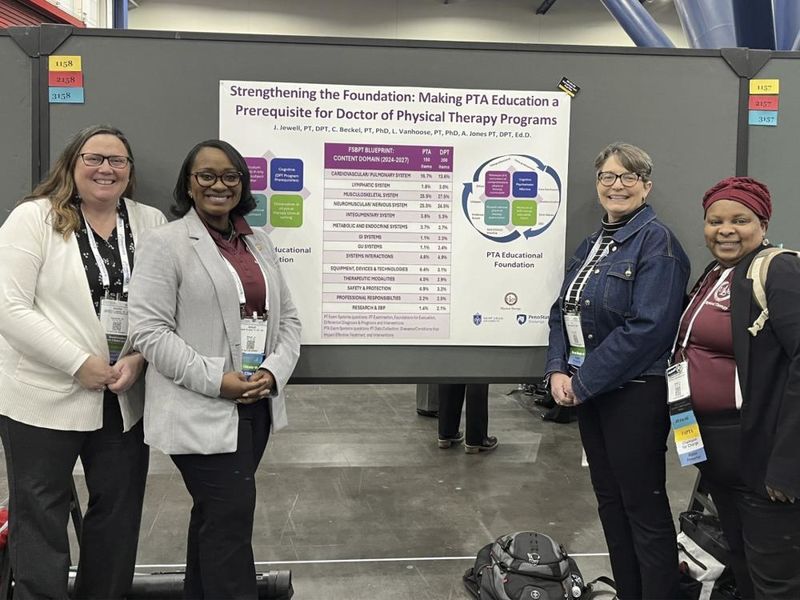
(405, 215)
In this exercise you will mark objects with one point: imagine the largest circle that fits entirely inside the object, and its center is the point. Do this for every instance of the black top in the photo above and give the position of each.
(109, 252)
(769, 373)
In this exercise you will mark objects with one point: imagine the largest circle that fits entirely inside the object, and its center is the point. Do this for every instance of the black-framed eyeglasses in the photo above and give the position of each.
(90, 159)
(607, 178)
(208, 178)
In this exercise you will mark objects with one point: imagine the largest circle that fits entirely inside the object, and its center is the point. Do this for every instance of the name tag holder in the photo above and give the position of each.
(113, 308)
(685, 429)
(253, 329)
(577, 345)
(254, 341)
(114, 319)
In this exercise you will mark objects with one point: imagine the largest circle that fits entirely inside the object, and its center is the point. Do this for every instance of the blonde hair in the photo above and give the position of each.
(59, 185)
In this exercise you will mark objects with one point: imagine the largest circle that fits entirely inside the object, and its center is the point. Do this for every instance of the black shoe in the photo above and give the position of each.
(427, 413)
(488, 443)
(561, 414)
(446, 442)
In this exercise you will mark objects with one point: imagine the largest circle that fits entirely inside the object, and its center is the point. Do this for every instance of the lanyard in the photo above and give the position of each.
(240, 287)
(722, 278)
(595, 249)
(123, 254)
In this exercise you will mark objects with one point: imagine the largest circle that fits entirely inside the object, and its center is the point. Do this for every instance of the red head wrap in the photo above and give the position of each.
(745, 190)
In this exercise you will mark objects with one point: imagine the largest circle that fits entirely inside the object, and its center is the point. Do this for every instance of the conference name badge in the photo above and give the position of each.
(577, 347)
(114, 320)
(685, 429)
(254, 343)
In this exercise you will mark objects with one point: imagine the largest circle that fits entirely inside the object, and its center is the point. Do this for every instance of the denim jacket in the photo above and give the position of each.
(629, 309)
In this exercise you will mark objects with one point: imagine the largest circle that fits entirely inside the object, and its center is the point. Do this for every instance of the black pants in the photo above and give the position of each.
(219, 551)
(451, 401)
(624, 433)
(764, 536)
(39, 463)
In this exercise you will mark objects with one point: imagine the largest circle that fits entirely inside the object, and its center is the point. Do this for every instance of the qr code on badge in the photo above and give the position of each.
(116, 326)
(250, 343)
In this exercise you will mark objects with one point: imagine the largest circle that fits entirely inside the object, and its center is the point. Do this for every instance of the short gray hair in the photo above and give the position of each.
(631, 157)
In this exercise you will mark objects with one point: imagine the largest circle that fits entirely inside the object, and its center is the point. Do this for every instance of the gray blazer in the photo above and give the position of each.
(184, 319)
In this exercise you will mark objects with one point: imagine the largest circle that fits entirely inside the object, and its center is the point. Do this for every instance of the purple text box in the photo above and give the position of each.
(497, 184)
(258, 172)
(388, 157)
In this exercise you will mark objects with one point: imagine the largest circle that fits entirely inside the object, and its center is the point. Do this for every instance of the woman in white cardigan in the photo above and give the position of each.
(70, 387)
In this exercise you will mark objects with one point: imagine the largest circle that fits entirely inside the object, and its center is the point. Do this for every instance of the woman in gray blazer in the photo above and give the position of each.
(212, 314)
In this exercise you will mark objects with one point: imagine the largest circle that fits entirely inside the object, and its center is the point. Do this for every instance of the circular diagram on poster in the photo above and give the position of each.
(512, 196)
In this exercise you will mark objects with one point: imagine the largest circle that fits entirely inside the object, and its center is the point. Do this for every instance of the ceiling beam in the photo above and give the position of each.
(545, 6)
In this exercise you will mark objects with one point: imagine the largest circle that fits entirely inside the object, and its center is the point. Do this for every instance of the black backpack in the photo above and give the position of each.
(524, 566)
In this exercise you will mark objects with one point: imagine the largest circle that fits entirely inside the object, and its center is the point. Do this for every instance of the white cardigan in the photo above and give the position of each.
(49, 326)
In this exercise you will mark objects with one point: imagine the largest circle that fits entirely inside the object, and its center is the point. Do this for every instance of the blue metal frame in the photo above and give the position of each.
(708, 24)
(754, 24)
(638, 24)
(120, 14)
(786, 23)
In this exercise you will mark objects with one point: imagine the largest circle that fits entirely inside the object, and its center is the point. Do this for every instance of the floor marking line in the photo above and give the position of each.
(359, 560)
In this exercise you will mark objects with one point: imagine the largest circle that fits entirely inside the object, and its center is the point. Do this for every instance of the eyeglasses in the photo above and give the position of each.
(95, 160)
(607, 178)
(207, 178)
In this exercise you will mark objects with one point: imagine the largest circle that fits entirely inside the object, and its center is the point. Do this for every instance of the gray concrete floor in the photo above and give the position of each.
(358, 501)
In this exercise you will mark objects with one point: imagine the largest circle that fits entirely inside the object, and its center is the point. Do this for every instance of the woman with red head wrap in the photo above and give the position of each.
(745, 390)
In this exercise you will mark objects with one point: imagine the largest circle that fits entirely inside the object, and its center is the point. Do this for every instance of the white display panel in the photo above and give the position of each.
(405, 215)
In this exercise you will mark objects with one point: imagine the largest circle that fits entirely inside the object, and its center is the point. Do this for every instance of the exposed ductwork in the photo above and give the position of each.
(786, 23)
(708, 24)
(638, 23)
(545, 6)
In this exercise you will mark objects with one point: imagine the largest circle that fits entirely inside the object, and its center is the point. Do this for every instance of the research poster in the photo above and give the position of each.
(406, 215)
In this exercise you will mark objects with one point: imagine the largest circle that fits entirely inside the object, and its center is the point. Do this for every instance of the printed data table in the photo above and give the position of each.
(387, 241)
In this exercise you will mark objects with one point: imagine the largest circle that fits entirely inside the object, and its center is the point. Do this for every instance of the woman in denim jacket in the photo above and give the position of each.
(611, 329)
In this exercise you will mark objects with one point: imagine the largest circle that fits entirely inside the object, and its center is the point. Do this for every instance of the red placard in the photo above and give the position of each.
(763, 103)
(65, 79)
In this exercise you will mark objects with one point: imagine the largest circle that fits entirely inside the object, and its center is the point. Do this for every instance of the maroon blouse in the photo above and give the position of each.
(235, 251)
(709, 351)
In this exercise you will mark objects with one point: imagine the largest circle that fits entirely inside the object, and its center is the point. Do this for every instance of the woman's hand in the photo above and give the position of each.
(777, 495)
(128, 369)
(235, 386)
(95, 374)
(561, 388)
(267, 381)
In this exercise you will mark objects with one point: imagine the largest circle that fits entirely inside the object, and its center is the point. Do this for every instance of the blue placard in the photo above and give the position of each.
(683, 419)
(693, 457)
(525, 184)
(286, 174)
(66, 95)
(765, 118)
